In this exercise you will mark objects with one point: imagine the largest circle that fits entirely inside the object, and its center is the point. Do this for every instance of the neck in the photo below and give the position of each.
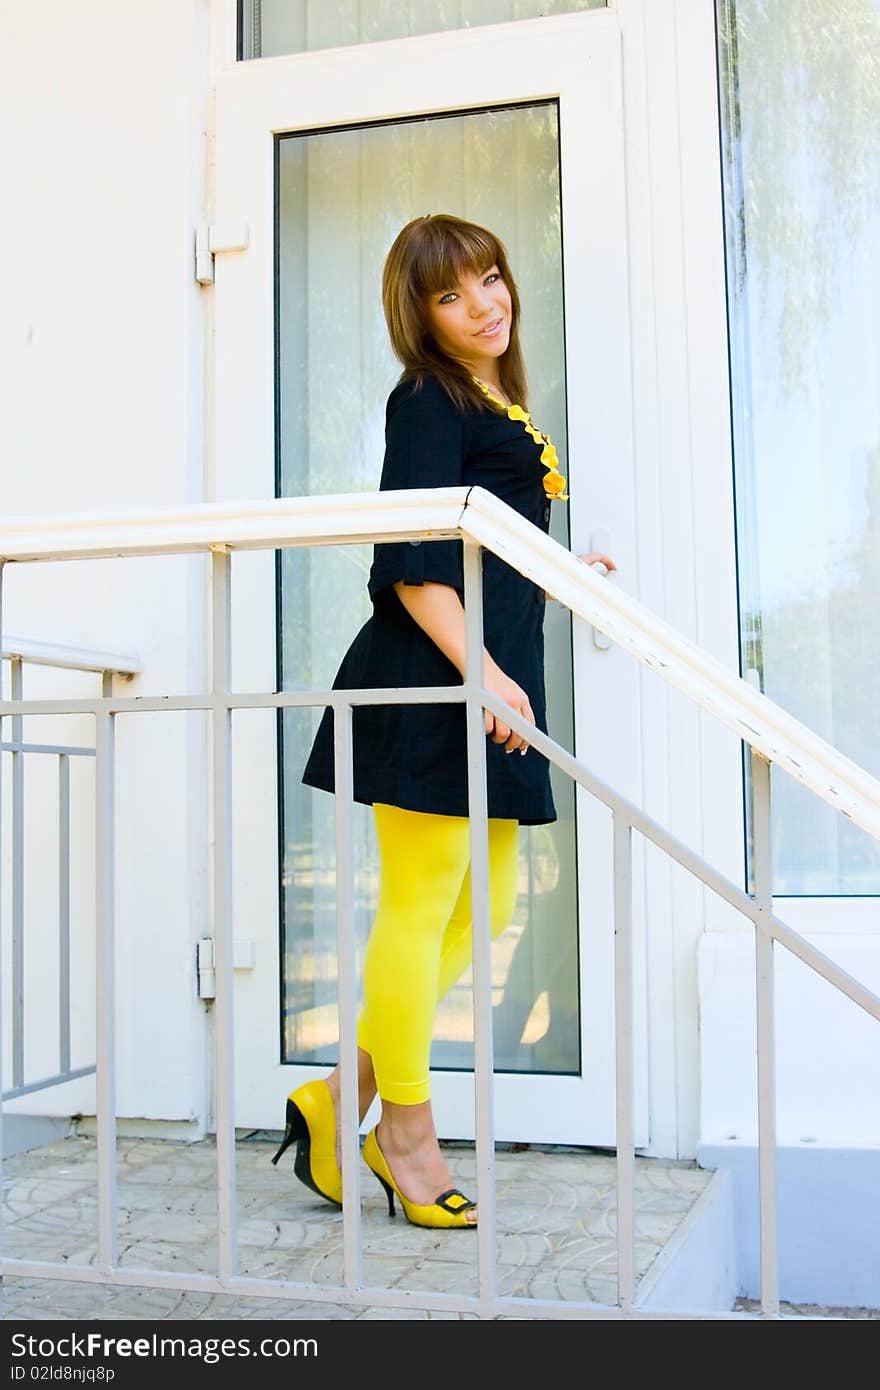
(496, 394)
(492, 380)
(487, 370)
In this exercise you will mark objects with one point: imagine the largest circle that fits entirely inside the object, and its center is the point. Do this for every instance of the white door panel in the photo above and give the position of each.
(573, 62)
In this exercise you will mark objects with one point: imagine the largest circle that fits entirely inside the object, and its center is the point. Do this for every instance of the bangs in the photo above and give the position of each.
(445, 250)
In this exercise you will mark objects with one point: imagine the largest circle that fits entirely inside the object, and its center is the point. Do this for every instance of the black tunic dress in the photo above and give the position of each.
(415, 757)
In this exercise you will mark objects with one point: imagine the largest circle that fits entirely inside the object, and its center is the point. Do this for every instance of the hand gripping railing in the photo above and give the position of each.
(481, 521)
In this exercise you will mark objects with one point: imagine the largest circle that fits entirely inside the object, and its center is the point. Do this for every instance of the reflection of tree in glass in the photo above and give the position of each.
(544, 965)
(801, 84)
(821, 662)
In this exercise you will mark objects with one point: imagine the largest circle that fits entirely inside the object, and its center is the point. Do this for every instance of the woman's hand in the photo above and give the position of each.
(497, 683)
(596, 557)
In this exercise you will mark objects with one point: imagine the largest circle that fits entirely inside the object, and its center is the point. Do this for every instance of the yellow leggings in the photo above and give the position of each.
(420, 943)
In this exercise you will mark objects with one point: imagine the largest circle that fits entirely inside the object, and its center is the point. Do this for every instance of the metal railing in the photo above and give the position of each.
(21, 651)
(481, 521)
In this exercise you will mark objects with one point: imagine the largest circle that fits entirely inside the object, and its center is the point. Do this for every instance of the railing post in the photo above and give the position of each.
(224, 1056)
(15, 690)
(105, 985)
(347, 993)
(623, 1060)
(764, 995)
(2, 1020)
(63, 912)
(478, 813)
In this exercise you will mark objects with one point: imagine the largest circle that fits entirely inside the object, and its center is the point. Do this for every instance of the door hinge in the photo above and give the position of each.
(242, 959)
(212, 238)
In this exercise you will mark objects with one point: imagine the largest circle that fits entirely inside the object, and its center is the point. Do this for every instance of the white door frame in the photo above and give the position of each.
(685, 526)
(575, 59)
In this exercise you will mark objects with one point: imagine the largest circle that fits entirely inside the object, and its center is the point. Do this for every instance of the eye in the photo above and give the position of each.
(446, 298)
(492, 277)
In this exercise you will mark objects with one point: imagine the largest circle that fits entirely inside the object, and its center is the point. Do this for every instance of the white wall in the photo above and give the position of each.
(827, 1047)
(103, 109)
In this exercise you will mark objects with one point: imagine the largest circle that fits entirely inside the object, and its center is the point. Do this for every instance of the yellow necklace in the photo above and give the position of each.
(554, 483)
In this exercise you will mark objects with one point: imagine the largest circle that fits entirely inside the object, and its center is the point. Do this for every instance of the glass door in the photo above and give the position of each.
(803, 228)
(326, 166)
(342, 197)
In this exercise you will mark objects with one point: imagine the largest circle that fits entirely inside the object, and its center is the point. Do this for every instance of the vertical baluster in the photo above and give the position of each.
(17, 879)
(347, 991)
(478, 811)
(623, 1055)
(105, 985)
(63, 912)
(2, 1020)
(224, 1056)
(764, 988)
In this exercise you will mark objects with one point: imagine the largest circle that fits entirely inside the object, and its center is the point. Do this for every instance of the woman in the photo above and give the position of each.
(457, 416)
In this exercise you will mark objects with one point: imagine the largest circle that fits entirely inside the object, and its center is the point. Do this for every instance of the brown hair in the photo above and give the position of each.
(428, 256)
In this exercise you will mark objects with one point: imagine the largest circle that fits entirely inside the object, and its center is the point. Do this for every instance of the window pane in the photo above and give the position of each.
(342, 198)
(270, 27)
(800, 101)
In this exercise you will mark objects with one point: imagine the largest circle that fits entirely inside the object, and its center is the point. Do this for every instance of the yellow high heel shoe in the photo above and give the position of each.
(448, 1211)
(311, 1125)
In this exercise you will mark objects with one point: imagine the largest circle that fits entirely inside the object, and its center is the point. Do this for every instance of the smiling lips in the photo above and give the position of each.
(491, 329)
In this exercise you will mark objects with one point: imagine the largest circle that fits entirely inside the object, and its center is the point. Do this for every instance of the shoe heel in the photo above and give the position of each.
(295, 1128)
(450, 1209)
(389, 1193)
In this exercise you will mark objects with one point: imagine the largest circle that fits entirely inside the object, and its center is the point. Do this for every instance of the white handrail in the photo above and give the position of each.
(37, 652)
(475, 514)
(333, 519)
(753, 716)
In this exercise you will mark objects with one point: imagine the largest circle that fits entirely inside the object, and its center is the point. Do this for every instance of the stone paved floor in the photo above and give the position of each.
(556, 1230)
(812, 1310)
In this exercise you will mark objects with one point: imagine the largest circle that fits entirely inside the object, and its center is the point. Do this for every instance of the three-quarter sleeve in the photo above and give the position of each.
(424, 447)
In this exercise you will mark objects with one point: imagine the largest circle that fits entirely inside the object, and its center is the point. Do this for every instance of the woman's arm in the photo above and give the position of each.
(438, 610)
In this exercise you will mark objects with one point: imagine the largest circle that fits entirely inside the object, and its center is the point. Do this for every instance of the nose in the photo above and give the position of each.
(481, 302)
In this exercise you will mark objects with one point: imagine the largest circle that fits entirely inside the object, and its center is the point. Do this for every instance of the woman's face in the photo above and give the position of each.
(471, 320)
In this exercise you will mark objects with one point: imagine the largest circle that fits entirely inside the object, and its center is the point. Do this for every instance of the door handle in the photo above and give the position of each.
(600, 541)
